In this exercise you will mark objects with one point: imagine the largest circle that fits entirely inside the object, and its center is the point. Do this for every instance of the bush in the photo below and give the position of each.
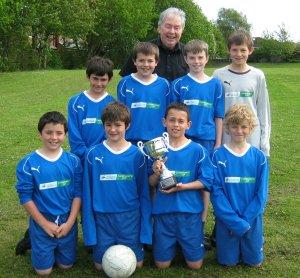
(17, 55)
(72, 58)
(271, 50)
(54, 60)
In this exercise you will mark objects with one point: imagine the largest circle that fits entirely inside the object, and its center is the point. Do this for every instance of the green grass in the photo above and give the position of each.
(24, 96)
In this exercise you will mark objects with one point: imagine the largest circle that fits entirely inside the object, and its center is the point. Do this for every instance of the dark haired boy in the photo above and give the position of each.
(116, 206)
(177, 211)
(85, 109)
(49, 182)
(84, 117)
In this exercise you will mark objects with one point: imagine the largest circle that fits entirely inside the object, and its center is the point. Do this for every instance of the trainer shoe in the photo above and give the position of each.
(24, 244)
(207, 243)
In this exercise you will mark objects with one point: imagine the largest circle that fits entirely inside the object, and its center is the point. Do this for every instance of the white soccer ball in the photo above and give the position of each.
(119, 261)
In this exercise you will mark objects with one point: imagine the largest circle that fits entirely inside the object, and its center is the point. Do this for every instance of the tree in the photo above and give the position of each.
(271, 50)
(221, 48)
(267, 35)
(275, 47)
(282, 34)
(45, 23)
(28, 26)
(53, 18)
(119, 25)
(230, 20)
(13, 33)
(78, 19)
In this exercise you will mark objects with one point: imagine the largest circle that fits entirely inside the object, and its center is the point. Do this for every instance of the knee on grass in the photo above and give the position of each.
(228, 265)
(63, 266)
(139, 264)
(162, 265)
(43, 272)
(98, 266)
(194, 265)
(255, 265)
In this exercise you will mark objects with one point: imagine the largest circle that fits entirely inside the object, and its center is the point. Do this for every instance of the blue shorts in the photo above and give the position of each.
(46, 250)
(118, 228)
(247, 249)
(184, 228)
(209, 145)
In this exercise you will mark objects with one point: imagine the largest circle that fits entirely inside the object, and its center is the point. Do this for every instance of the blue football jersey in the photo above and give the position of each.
(205, 101)
(188, 163)
(147, 103)
(241, 186)
(115, 182)
(51, 184)
(84, 121)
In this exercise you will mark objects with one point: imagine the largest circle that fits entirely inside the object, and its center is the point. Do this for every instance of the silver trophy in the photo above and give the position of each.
(157, 149)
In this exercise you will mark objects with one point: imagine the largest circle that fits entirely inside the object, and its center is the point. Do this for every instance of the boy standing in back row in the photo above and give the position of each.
(85, 109)
(203, 95)
(247, 85)
(145, 94)
(205, 99)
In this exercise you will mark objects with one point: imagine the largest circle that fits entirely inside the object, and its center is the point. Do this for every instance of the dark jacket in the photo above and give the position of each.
(171, 63)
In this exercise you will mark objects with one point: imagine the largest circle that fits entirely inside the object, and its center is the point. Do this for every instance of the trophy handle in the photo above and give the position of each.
(140, 145)
(165, 136)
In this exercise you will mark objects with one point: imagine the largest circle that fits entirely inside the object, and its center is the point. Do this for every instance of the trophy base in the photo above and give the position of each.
(167, 183)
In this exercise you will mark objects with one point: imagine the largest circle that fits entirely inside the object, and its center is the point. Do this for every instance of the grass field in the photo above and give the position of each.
(25, 96)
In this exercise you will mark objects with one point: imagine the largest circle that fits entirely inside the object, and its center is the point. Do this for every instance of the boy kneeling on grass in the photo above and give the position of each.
(49, 182)
(240, 192)
(177, 211)
(116, 205)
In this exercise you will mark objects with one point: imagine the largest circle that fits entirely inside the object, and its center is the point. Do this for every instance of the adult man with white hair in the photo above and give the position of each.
(171, 63)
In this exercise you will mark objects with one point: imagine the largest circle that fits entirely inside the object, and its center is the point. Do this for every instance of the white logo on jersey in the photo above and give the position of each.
(89, 121)
(185, 88)
(191, 101)
(36, 169)
(80, 107)
(138, 105)
(99, 159)
(232, 94)
(222, 163)
(129, 91)
(108, 177)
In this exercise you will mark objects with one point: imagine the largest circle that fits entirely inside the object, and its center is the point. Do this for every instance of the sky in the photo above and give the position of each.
(261, 14)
